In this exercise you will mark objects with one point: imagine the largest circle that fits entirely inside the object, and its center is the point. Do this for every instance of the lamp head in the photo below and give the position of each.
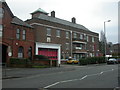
(108, 20)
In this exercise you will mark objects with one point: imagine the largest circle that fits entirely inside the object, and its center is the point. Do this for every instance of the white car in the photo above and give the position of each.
(112, 61)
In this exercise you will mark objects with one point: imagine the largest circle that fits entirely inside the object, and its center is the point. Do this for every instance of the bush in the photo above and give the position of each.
(41, 57)
(92, 60)
(18, 61)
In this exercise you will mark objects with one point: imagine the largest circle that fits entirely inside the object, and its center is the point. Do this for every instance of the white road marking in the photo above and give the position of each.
(78, 79)
(101, 73)
(52, 85)
(84, 77)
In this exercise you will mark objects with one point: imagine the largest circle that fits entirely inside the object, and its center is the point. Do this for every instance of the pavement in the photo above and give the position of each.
(10, 73)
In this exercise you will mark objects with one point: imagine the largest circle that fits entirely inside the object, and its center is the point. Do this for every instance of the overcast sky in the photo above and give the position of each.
(90, 13)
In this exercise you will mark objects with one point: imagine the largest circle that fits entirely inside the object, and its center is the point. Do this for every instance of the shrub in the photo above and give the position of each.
(92, 60)
(41, 57)
(18, 60)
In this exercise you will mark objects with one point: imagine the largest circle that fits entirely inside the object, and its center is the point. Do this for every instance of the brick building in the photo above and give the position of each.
(45, 35)
(17, 38)
(116, 49)
(72, 39)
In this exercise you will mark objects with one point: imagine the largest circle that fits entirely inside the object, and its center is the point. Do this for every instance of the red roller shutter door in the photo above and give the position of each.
(51, 53)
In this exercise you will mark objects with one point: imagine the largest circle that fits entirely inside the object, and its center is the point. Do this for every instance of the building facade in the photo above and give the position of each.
(45, 35)
(17, 38)
(74, 39)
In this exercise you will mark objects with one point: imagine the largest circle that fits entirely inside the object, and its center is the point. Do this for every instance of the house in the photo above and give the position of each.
(17, 38)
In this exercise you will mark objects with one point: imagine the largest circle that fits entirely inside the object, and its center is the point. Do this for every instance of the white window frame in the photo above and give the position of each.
(81, 36)
(18, 33)
(48, 31)
(67, 46)
(93, 39)
(57, 33)
(1, 29)
(67, 35)
(24, 35)
(20, 52)
(48, 39)
(87, 38)
(75, 35)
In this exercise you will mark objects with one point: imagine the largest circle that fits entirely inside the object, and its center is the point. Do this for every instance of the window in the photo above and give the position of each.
(48, 32)
(1, 28)
(87, 38)
(67, 34)
(75, 35)
(24, 35)
(81, 36)
(18, 34)
(58, 33)
(1, 13)
(67, 46)
(30, 53)
(20, 52)
(93, 48)
(48, 39)
(92, 39)
(81, 46)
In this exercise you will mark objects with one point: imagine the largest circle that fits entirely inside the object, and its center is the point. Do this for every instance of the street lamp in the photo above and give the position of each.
(105, 36)
(71, 43)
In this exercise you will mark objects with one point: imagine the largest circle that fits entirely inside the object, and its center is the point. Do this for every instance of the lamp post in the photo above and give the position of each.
(71, 43)
(105, 36)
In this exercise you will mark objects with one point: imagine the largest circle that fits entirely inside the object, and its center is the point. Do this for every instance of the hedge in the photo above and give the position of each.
(92, 60)
(41, 57)
(18, 61)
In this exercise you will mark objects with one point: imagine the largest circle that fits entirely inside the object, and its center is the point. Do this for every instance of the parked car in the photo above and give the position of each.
(112, 61)
(118, 60)
(72, 61)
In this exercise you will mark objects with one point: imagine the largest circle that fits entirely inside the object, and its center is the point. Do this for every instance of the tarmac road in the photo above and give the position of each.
(67, 76)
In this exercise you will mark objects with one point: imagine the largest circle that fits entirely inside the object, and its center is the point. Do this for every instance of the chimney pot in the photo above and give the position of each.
(53, 14)
(73, 20)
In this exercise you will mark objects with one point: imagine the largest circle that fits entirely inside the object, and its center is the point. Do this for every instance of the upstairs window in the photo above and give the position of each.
(75, 35)
(48, 31)
(1, 13)
(1, 28)
(81, 36)
(18, 33)
(24, 35)
(67, 46)
(93, 39)
(87, 38)
(67, 34)
(57, 33)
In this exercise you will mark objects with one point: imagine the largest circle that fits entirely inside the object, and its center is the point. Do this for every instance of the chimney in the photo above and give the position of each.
(53, 14)
(73, 20)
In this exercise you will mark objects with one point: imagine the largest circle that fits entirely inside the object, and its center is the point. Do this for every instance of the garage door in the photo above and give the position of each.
(50, 53)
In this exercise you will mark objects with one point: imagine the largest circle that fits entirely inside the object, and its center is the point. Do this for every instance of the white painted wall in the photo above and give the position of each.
(51, 46)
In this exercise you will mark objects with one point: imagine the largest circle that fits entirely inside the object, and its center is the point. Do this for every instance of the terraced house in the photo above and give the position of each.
(71, 39)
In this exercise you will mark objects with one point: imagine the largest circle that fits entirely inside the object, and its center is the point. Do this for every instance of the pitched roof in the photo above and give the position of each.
(40, 10)
(61, 21)
(18, 21)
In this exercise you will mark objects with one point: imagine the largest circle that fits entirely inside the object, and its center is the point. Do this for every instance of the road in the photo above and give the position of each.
(100, 76)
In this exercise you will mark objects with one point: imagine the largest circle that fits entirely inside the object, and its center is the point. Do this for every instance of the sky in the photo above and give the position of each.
(90, 13)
